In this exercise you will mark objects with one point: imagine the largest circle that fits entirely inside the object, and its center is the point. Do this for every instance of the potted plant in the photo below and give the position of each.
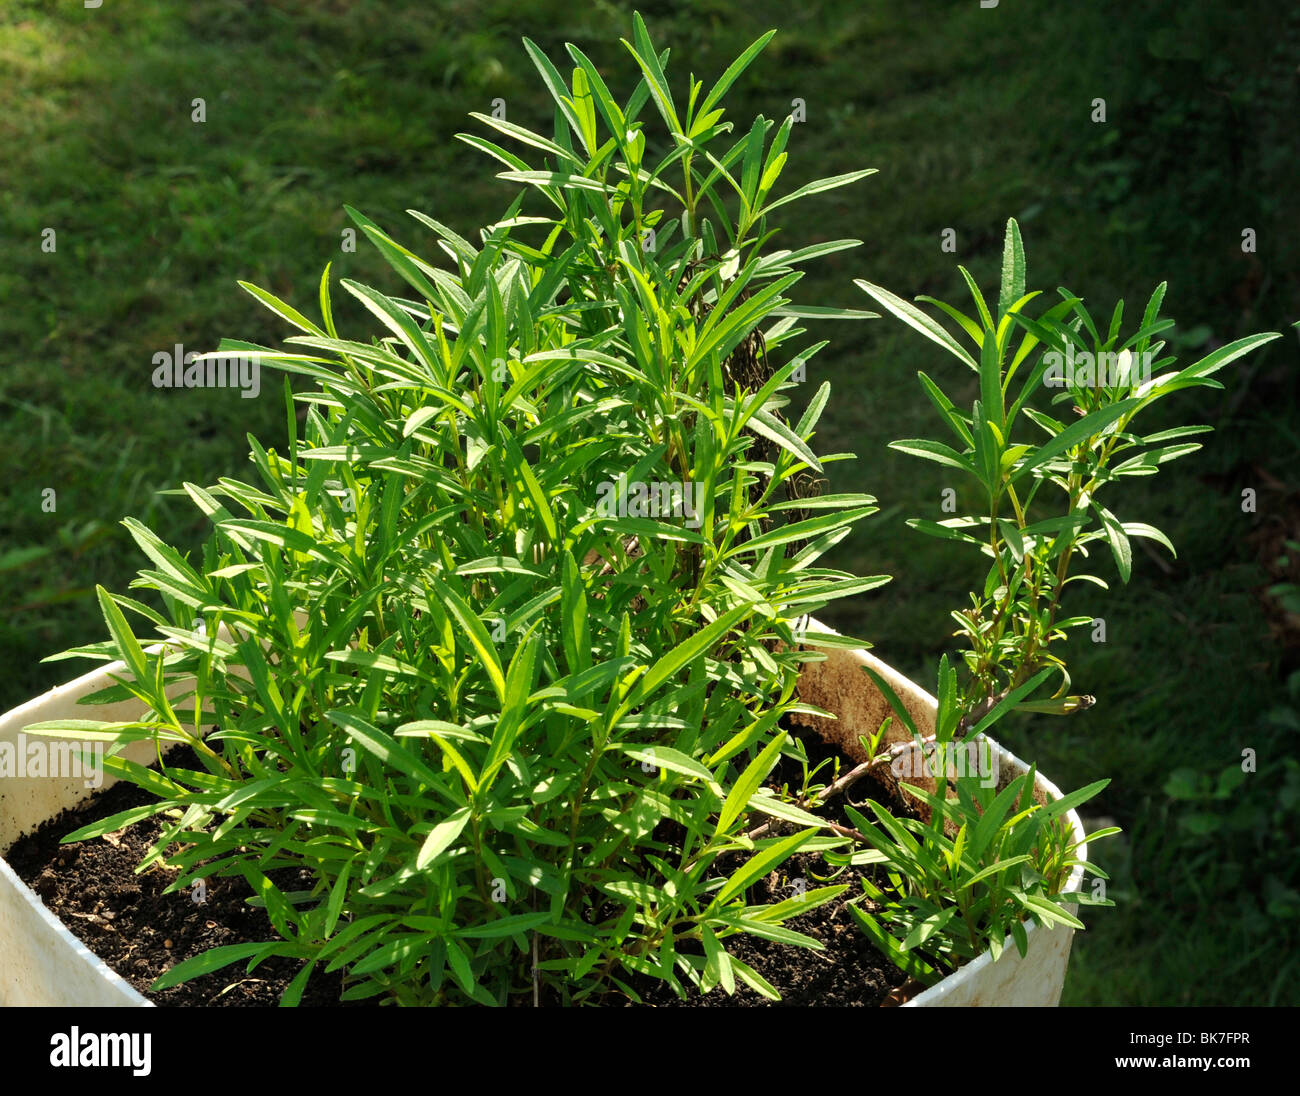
(502, 684)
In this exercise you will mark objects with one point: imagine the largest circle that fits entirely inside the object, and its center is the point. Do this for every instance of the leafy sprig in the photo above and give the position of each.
(1039, 505)
(516, 738)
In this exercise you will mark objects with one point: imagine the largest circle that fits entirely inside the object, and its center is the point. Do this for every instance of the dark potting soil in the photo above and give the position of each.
(140, 932)
(850, 971)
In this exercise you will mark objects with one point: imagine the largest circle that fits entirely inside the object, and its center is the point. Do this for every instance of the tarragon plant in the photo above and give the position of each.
(498, 648)
(984, 861)
(1039, 476)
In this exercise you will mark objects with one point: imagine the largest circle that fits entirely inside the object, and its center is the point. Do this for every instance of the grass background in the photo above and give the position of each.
(972, 115)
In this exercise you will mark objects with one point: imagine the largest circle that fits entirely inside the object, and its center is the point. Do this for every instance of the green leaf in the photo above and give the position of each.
(523, 477)
(992, 818)
(383, 747)
(767, 931)
(504, 926)
(754, 980)
(165, 557)
(648, 60)
(1141, 529)
(946, 408)
(604, 101)
(765, 802)
(1118, 541)
(1152, 311)
(923, 930)
(991, 384)
(1073, 799)
(441, 837)
(734, 70)
(562, 180)
(293, 992)
(664, 757)
(115, 822)
(999, 868)
(967, 324)
(128, 647)
(398, 322)
(286, 537)
(338, 894)
(555, 85)
(823, 312)
(519, 683)
(474, 631)
(908, 962)
(576, 633)
(584, 107)
(776, 431)
(943, 531)
(677, 657)
(208, 961)
(800, 903)
(92, 730)
(760, 864)
(284, 311)
(1009, 701)
(817, 186)
(977, 297)
(935, 451)
(1215, 361)
(719, 962)
(800, 530)
(1013, 269)
(915, 318)
(747, 784)
(409, 265)
(1049, 911)
(381, 664)
(528, 137)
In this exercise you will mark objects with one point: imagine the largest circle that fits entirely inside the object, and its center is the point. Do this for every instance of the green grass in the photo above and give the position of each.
(971, 115)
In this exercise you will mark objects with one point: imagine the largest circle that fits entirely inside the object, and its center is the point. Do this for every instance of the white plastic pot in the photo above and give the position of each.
(841, 686)
(42, 963)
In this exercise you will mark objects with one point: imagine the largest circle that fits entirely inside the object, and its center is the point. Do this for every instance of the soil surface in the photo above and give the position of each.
(850, 972)
(127, 920)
